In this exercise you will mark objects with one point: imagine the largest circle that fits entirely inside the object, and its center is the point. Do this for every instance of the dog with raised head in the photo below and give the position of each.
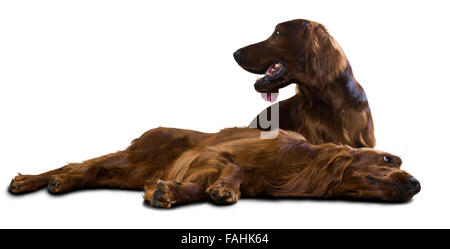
(177, 166)
(330, 105)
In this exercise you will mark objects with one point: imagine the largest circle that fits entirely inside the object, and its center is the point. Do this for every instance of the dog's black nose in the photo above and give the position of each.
(237, 54)
(414, 182)
(414, 185)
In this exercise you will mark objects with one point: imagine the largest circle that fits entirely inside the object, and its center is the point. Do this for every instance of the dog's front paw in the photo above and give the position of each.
(224, 193)
(163, 195)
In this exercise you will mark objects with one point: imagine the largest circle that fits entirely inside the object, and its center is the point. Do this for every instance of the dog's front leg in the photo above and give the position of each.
(226, 188)
(165, 193)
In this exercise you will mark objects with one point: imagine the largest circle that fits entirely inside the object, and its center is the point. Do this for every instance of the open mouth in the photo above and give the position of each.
(266, 84)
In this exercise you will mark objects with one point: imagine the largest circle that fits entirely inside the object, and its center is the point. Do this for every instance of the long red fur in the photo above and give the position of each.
(177, 166)
(330, 105)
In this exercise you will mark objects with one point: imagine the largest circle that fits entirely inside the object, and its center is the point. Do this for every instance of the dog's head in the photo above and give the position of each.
(373, 174)
(298, 51)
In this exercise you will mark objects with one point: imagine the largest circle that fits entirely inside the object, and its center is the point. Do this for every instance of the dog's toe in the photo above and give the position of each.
(24, 184)
(162, 196)
(13, 188)
(58, 184)
(223, 195)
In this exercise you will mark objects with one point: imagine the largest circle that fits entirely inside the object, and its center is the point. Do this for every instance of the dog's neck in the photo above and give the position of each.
(343, 92)
(340, 107)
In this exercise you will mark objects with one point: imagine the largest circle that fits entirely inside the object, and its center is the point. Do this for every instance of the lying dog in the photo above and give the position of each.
(330, 105)
(176, 166)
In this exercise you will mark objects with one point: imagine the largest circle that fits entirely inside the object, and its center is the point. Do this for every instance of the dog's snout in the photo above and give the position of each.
(414, 185)
(237, 54)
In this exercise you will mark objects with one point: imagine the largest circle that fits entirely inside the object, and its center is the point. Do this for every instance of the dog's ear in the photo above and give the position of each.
(324, 57)
(320, 178)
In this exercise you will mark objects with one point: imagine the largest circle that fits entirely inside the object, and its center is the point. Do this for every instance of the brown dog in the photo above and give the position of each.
(177, 166)
(330, 105)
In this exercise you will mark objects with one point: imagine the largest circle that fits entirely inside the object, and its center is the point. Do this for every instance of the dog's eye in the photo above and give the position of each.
(388, 159)
(276, 32)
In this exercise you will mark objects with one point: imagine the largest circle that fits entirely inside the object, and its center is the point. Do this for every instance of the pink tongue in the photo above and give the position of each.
(269, 69)
(271, 97)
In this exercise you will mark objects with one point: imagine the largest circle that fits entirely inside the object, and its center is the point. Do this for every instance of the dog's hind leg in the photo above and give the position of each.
(29, 183)
(111, 171)
(65, 178)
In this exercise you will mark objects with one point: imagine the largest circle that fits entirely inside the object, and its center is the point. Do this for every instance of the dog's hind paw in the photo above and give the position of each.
(25, 183)
(59, 184)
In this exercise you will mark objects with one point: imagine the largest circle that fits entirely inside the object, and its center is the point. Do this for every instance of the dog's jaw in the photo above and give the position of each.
(269, 84)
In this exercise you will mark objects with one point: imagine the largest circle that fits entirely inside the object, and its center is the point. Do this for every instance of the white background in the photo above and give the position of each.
(79, 79)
